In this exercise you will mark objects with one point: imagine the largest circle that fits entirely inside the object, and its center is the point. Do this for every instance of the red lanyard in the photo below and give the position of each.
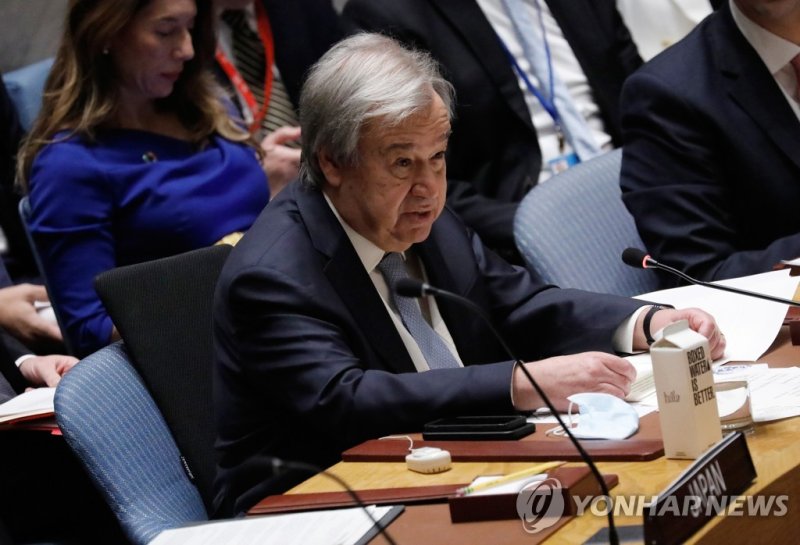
(265, 33)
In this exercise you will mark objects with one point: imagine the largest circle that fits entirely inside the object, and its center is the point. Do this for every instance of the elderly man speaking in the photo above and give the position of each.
(314, 351)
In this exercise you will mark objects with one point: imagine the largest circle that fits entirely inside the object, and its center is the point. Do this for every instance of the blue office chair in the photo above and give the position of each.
(572, 230)
(25, 87)
(114, 427)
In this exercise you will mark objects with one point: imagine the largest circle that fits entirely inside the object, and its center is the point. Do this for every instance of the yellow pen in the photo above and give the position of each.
(533, 470)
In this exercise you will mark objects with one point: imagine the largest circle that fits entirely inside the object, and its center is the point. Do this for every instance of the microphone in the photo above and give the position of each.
(409, 287)
(638, 259)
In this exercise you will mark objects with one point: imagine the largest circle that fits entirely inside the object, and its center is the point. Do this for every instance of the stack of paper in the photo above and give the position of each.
(333, 527)
(33, 403)
(750, 325)
(774, 392)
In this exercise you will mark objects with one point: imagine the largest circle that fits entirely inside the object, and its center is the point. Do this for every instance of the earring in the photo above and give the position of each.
(105, 51)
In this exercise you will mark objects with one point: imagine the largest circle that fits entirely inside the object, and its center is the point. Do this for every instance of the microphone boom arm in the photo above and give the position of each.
(412, 288)
(656, 265)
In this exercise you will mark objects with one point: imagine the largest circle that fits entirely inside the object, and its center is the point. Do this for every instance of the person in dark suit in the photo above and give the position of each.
(314, 353)
(301, 31)
(19, 366)
(22, 327)
(12, 382)
(297, 33)
(19, 254)
(32, 370)
(711, 161)
(502, 138)
(9, 374)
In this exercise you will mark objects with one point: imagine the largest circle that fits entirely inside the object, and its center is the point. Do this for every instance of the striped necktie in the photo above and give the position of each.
(433, 348)
(249, 57)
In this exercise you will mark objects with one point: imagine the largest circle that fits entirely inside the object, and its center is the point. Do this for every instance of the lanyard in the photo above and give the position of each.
(265, 33)
(547, 102)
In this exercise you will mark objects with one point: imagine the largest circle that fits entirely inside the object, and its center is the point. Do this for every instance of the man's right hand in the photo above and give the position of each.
(19, 317)
(562, 376)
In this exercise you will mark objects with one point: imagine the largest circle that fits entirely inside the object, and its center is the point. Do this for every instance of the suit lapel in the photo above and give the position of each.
(466, 328)
(752, 86)
(470, 22)
(348, 277)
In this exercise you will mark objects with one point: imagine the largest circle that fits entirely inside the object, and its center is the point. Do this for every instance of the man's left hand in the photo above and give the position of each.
(46, 370)
(699, 320)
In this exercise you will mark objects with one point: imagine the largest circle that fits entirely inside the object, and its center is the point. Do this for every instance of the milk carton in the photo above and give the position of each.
(687, 406)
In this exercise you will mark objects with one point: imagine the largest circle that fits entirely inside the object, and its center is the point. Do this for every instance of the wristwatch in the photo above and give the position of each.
(648, 337)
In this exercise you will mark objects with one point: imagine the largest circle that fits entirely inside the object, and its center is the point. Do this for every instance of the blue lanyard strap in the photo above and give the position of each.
(547, 103)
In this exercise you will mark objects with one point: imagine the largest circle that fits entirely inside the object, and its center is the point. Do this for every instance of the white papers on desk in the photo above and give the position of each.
(36, 402)
(774, 392)
(513, 487)
(331, 527)
(750, 325)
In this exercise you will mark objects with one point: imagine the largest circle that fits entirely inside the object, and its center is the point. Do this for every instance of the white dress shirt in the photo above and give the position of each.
(657, 24)
(370, 255)
(569, 71)
(776, 52)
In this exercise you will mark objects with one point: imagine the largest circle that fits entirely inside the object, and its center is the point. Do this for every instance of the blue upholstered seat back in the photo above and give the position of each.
(110, 421)
(25, 86)
(572, 229)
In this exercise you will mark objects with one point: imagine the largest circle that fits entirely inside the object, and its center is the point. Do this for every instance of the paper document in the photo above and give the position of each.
(750, 325)
(512, 487)
(332, 527)
(36, 402)
(774, 392)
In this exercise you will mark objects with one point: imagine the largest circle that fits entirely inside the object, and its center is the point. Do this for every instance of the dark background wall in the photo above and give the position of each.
(29, 31)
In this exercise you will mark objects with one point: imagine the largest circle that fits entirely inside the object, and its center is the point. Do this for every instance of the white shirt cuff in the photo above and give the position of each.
(623, 336)
(20, 360)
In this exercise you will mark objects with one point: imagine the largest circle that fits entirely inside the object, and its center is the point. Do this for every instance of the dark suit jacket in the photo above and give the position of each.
(11, 380)
(711, 162)
(11, 134)
(309, 362)
(302, 30)
(494, 149)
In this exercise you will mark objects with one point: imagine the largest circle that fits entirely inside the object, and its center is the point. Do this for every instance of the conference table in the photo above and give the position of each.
(774, 446)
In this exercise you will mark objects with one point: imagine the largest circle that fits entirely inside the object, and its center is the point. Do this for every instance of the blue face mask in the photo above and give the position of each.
(602, 416)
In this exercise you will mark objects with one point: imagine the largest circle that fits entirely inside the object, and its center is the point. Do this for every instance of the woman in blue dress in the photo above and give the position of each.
(134, 155)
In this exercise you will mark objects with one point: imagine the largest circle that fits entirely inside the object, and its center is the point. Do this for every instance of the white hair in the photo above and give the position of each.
(360, 79)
